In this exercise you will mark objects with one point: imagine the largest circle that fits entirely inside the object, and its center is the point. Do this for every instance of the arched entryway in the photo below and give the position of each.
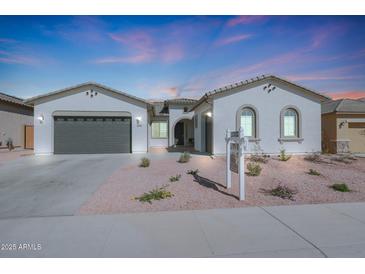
(184, 133)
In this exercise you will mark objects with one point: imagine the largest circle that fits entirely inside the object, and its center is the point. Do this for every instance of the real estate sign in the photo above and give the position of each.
(236, 143)
(234, 157)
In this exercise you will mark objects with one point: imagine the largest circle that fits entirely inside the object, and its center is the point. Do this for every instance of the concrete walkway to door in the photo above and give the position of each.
(323, 230)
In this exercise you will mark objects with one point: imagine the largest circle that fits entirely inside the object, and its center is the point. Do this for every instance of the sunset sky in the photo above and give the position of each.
(180, 56)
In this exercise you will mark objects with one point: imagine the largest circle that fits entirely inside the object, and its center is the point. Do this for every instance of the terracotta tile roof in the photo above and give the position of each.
(182, 101)
(256, 80)
(12, 99)
(344, 105)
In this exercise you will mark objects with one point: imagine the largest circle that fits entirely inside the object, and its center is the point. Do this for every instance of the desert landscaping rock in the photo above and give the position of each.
(116, 194)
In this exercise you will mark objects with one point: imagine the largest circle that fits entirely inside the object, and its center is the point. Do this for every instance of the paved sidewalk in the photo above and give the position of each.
(326, 230)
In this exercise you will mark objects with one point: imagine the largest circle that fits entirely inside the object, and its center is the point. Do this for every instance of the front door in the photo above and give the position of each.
(208, 134)
(179, 134)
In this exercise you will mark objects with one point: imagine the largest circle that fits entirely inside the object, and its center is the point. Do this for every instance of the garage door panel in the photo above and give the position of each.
(78, 135)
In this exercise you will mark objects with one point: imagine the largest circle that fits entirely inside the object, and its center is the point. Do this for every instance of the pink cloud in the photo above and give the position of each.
(221, 77)
(323, 35)
(134, 59)
(162, 92)
(232, 39)
(141, 47)
(278, 64)
(171, 91)
(347, 94)
(139, 40)
(13, 58)
(338, 73)
(168, 43)
(80, 29)
(140, 43)
(273, 65)
(172, 53)
(268, 64)
(245, 20)
(314, 77)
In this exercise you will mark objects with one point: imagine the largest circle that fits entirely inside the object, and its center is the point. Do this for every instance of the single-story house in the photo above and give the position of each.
(343, 126)
(15, 117)
(93, 118)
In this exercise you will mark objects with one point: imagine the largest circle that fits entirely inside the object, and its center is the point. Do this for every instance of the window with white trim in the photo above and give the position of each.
(290, 123)
(159, 130)
(248, 122)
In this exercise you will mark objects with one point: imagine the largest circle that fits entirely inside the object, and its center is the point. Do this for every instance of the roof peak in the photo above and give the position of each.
(256, 79)
(31, 100)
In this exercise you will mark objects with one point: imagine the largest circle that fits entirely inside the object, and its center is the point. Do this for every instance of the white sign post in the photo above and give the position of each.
(236, 143)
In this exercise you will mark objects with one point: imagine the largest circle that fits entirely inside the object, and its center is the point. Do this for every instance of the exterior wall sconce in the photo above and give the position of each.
(40, 118)
(342, 124)
(209, 114)
(139, 121)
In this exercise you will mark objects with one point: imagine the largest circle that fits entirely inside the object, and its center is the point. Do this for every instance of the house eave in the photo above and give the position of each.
(226, 90)
(34, 100)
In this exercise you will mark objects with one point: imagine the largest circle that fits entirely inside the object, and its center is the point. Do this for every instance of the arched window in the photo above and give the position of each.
(248, 122)
(291, 123)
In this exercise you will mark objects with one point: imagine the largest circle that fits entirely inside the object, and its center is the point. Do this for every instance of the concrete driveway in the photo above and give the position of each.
(54, 185)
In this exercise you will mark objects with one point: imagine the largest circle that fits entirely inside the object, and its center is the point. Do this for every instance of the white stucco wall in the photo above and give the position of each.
(199, 129)
(175, 115)
(12, 126)
(43, 132)
(154, 142)
(269, 106)
(189, 130)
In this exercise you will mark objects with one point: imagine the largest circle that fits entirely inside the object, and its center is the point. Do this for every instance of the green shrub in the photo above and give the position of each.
(313, 172)
(283, 156)
(158, 193)
(145, 162)
(184, 157)
(253, 169)
(175, 178)
(193, 172)
(282, 192)
(340, 187)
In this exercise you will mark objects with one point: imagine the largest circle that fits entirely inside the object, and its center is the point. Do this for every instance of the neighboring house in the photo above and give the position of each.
(14, 116)
(92, 118)
(343, 126)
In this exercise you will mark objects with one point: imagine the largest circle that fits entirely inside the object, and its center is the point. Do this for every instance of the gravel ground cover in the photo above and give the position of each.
(206, 190)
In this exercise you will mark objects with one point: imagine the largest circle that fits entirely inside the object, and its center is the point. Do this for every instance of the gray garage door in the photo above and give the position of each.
(78, 135)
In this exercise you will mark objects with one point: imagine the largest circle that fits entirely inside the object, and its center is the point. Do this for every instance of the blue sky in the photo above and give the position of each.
(180, 56)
